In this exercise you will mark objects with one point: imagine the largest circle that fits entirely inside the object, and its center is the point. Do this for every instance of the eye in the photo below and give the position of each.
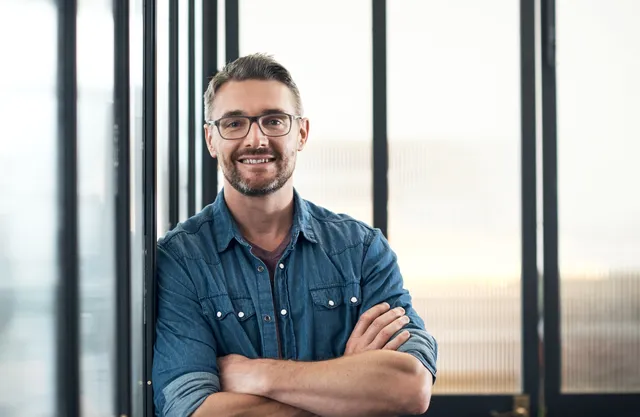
(233, 123)
(273, 121)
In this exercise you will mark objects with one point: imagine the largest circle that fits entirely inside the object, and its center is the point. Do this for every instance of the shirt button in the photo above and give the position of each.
(283, 312)
(267, 318)
(241, 314)
(354, 300)
(260, 268)
(331, 303)
(219, 314)
(281, 266)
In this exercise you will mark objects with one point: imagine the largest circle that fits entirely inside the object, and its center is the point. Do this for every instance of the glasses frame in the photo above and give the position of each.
(255, 119)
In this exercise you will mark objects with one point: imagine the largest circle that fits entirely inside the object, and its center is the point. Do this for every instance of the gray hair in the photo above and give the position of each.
(251, 67)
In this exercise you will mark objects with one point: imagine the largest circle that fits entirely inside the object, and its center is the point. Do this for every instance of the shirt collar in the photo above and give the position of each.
(225, 228)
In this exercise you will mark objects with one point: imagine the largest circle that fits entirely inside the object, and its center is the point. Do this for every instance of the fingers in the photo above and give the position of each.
(380, 323)
(388, 331)
(398, 341)
(368, 317)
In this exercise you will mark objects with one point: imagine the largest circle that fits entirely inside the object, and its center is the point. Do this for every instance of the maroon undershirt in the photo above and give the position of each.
(270, 259)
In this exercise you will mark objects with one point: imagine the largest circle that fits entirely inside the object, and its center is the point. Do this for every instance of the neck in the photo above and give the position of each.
(263, 220)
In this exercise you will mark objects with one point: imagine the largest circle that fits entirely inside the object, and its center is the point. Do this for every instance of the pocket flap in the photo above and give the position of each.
(333, 297)
(220, 306)
(244, 308)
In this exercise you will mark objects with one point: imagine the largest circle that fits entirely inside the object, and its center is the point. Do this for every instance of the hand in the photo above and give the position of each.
(374, 329)
(240, 375)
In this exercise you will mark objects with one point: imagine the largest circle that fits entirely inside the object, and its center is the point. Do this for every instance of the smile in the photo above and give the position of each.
(257, 161)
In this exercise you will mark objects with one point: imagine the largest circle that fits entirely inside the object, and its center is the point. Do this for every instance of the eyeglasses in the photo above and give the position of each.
(237, 127)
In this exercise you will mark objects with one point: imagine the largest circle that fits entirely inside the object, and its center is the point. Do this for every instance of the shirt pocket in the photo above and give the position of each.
(234, 324)
(335, 313)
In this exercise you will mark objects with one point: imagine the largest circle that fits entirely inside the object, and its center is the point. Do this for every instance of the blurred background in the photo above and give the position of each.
(495, 142)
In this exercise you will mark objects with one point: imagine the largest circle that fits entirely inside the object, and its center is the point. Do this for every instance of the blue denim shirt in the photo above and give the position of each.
(215, 298)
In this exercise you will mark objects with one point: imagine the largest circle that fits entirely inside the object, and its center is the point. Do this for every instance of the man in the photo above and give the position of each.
(269, 305)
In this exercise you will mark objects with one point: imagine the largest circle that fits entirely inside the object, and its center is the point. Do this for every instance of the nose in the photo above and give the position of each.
(255, 138)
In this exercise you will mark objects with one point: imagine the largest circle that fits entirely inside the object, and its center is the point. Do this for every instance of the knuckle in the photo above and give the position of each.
(387, 333)
(377, 324)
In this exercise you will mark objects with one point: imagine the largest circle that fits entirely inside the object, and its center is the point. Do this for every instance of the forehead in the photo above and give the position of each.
(252, 97)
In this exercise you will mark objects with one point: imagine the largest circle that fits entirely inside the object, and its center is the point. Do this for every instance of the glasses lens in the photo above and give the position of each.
(275, 124)
(233, 127)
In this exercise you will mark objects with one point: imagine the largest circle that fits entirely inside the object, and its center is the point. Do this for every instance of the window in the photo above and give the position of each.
(28, 208)
(96, 210)
(454, 182)
(329, 57)
(598, 201)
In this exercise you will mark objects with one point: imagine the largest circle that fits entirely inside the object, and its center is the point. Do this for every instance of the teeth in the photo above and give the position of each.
(255, 161)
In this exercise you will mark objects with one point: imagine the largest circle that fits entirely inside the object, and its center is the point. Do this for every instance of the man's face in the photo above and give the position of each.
(257, 164)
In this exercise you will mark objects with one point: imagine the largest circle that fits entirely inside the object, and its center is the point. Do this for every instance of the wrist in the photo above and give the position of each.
(261, 376)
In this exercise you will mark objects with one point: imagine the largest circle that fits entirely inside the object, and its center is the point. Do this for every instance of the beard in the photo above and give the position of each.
(258, 183)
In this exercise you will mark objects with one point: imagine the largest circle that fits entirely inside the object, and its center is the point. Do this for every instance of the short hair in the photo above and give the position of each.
(251, 67)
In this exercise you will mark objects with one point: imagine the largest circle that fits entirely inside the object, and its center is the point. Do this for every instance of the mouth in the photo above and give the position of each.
(257, 161)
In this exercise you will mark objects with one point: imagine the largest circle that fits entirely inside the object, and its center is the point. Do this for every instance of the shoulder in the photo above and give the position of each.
(338, 229)
(192, 238)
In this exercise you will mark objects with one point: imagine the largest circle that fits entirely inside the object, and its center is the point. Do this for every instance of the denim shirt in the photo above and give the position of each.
(215, 298)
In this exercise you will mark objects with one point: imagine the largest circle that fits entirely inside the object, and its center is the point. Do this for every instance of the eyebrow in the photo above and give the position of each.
(232, 113)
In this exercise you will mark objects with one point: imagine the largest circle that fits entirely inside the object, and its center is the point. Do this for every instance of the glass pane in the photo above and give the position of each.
(183, 107)
(96, 206)
(200, 142)
(334, 170)
(28, 208)
(598, 201)
(162, 114)
(137, 220)
(454, 182)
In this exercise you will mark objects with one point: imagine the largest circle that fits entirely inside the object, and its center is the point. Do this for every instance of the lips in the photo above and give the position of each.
(255, 160)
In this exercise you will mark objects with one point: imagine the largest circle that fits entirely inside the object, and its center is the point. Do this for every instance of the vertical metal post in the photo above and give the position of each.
(552, 348)
(232, 30)
(121, 142)
(191, 111)
(209, 69)
(380, 141)
(529, 292)
(149, 173)
(174, 132)
(67, 318)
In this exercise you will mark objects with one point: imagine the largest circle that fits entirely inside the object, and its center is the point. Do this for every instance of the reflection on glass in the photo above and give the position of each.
(96, 206)
(137, 221)
(28, 208)
(334, 169)
(454, 182)
(598, 201)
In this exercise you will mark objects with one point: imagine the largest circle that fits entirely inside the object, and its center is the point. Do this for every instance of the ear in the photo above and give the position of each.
(208, 136)
(303, 133)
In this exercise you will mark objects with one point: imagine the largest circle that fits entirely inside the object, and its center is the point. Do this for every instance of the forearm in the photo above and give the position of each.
(227, 404)
(374, 383)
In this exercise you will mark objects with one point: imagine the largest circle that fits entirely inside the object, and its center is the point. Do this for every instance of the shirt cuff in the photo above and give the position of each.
(186, 393)
(423, 347)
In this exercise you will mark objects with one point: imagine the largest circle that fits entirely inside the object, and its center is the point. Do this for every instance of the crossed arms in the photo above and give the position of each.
(372, 379)
(379, 374)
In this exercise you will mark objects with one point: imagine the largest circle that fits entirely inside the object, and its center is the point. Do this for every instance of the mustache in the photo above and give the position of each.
(257, 153)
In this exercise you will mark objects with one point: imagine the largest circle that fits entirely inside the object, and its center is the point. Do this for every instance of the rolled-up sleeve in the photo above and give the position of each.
(185, 370)
(382, 282)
